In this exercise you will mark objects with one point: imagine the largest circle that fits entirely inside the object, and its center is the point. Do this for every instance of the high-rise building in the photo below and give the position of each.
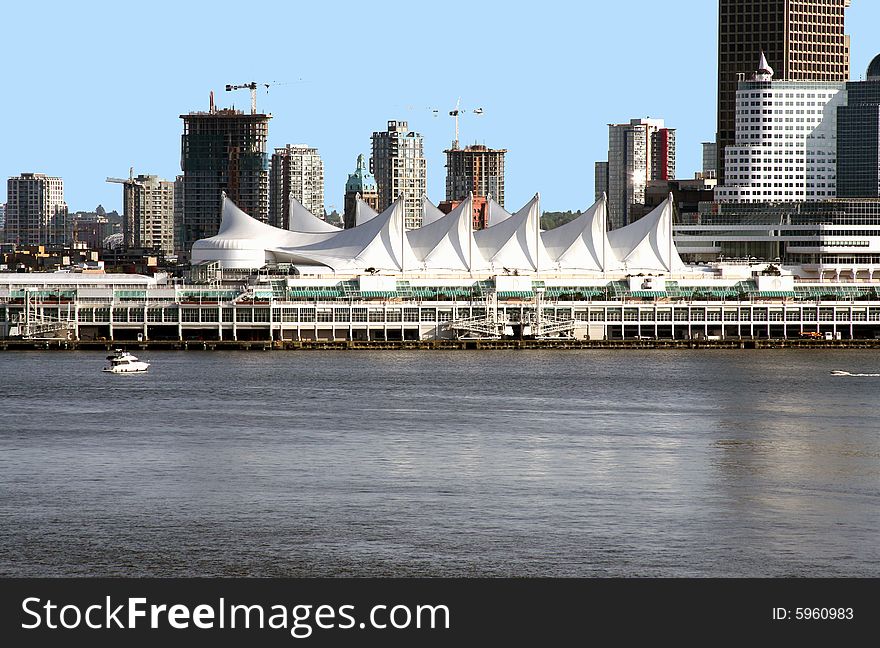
(296, 170)
(804, 40)
(710, 160)
(222, 150)
(2, 219)
(858, 138)
(36, 213)
(601, 179)
(178, 215)
(640, 151)
(362, 183)
(399, 166)
(148, 213)
(786, 140)
(475, 169)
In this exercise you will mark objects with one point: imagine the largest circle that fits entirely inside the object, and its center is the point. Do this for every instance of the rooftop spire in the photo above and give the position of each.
(764, 71)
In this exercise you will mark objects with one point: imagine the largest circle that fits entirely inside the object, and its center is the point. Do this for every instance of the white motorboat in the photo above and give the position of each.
(124, 362)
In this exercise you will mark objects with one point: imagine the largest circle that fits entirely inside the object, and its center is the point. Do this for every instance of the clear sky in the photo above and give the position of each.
(93, 88)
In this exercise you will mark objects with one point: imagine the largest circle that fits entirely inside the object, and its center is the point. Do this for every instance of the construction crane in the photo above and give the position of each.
(130, 179)
(455, 113)
(129, 234)
(252, 86)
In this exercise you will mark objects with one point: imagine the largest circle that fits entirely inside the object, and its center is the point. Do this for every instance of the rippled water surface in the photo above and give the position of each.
(624, 463)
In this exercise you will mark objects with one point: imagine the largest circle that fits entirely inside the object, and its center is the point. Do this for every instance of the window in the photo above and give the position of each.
(244, 314)
(190, 314)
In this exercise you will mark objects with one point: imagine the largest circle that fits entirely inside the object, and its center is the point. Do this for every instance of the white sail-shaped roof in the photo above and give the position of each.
(302, 220)
(380, 243)
(647, 244)
(362, 211)
(448, 243)
(430, 213)
(241, 241)
(497, 214)
(581, 244)
(515, 243)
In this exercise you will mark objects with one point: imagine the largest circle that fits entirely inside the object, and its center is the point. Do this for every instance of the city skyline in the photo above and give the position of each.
(92, 118)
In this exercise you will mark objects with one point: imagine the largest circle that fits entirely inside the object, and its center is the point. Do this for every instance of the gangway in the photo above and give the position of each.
(494, 325)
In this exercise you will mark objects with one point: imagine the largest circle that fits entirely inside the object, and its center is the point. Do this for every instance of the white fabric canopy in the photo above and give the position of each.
(448, 243)
(430, 213)
(581, 244)
(497, 214)
(515, 243)
(362, 211)
(647, 244)
(380, 243)
(302, 220)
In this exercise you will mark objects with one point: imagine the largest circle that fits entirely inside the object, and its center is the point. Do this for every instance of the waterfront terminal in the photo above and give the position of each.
(445, 285)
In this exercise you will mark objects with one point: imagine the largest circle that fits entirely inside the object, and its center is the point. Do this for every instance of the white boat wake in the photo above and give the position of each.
(855, 375)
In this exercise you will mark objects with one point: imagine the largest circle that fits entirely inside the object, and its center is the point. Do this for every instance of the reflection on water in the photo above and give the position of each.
(443, 464)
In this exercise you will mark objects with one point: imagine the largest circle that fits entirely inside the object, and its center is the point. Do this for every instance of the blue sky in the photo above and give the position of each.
(92, 88)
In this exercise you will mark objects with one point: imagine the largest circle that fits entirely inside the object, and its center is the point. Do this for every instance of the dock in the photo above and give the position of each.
(430, 345)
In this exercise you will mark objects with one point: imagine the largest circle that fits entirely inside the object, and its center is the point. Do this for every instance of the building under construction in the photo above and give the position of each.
(222, 150)
(474, 169)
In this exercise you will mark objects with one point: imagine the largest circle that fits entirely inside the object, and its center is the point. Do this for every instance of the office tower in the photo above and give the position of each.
(296, 170)
(638, 152)
(36, 213)
(786, 140)
(222, 150)
(148, 213)
(710, 160)
(803, 41)
(362, 183)
(399, 166)
(2, 220)
(600, 179)
(858, 138)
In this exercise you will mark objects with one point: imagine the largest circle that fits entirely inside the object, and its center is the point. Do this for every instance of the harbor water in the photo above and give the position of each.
(505, 463)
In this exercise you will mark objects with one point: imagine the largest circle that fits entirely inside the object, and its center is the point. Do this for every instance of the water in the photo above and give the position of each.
(621, 463)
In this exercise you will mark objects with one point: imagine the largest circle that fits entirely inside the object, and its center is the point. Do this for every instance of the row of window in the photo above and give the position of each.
(426, 315)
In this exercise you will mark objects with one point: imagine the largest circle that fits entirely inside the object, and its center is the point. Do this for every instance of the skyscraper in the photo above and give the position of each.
(640, 151)
(786, 140)
(297, 170)
(858, 138)
(399, 166)
(148, 213)
(600, 175)
(36, 213)
(360, 183)
(222, 150)
(710, 160)
(803, 40)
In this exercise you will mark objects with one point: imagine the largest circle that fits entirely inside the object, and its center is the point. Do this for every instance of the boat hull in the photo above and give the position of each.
(126, 370)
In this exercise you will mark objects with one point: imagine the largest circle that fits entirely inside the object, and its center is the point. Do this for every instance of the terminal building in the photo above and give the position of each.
(380, 281)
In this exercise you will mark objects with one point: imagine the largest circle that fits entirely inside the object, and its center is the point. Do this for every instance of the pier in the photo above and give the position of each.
(428, 345)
